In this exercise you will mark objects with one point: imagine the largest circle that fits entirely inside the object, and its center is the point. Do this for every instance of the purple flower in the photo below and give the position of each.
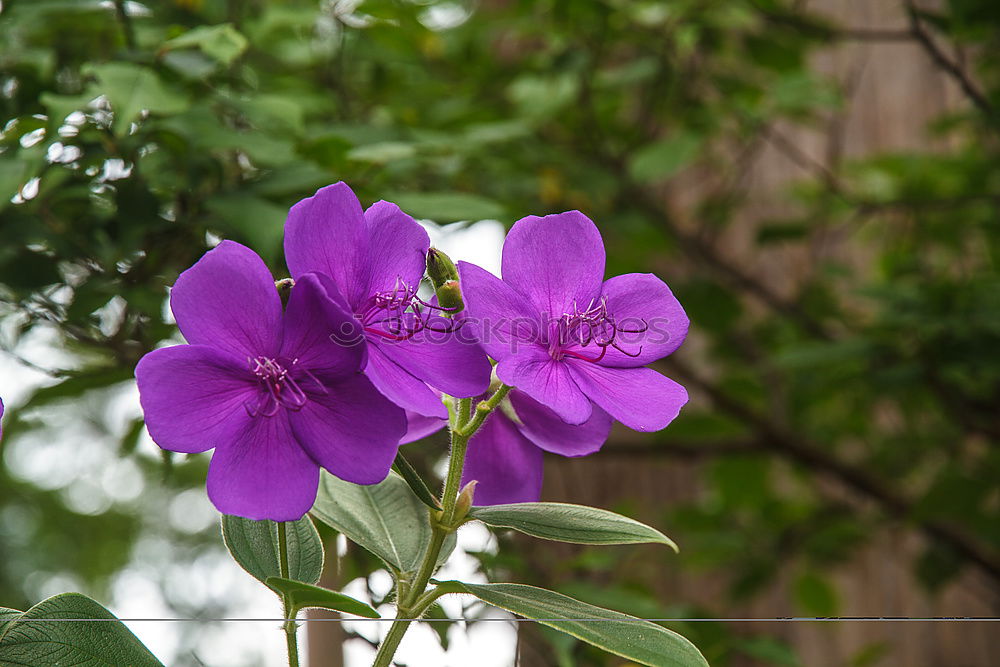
(506, 454)
(376, 258)
(1, 417)
(569, 339)
(272, 392)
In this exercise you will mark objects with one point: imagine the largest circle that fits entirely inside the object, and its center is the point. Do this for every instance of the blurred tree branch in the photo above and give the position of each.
(945, 63)
(796, 448)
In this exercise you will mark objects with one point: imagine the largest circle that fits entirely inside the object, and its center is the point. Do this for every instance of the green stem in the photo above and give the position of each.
(483, 410)
(291, 640)
(387, 649)
(128, 32)
(459, 446)
(463, 413)
(429, 598)
(463, 424)
(426, 569)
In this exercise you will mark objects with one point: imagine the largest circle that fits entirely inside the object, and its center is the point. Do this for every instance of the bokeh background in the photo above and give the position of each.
(818, 181)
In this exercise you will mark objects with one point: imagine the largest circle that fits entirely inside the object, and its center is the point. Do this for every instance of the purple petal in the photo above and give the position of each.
(419, 427)
(507, 466)
(544, 428)
(323, 337)
(401, 387)
(194, 396)
(500, 318)
(640, 398)
(548, 382)
(443, 361)
(264, 474)
(652, 322)
(227, 300)
(557, 261)
(326, 233)
(397, 248)
(352, 430)
(1, 417)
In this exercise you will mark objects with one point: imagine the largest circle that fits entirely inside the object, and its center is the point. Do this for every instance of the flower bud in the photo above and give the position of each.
(440, 268)
(450, 297)
(444, 278)
(464, 503)
(284, 287)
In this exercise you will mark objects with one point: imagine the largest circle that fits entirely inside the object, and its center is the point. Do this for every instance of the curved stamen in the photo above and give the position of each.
(593, 360)
(627, 353)
(434, 306)
(644, 329)
(280, 389)
(391, 336)
(399, 313)
(592, 325)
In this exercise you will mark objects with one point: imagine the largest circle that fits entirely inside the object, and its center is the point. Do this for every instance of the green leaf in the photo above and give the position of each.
(489, 133)
(563, 522)
(770, 651)
(382, 152)
(541, 96)
(448, 206)
(13, 176)
(870, 655)
(297, 179)
(436, 612)
(6, 614)
(254, 545)
(190, 64)
(34, 640)
(627, 636)
(303, 595)
(132, 89)
(61, 106)
(273, 114)
(815, 595)
(257, 220)
(415, 482)
(223, 42)
(664, 158)
(387, 519)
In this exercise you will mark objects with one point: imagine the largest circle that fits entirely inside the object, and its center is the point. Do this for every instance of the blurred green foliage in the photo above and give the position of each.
(133, 133)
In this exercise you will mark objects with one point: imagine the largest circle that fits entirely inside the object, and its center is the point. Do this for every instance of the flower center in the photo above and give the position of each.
(399, 313)
(594, 325)
(279, 383)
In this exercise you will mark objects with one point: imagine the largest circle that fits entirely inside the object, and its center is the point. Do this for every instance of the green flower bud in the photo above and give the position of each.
(440, 268)
(450, 297)
(464, 503)
(284, 287)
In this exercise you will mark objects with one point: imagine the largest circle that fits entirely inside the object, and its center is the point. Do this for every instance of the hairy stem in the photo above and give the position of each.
(291, 640)
(463, 424)
(387, 649)
(483, 411)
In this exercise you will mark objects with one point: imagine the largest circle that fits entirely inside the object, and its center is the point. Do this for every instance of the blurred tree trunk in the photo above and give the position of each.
(325, 638)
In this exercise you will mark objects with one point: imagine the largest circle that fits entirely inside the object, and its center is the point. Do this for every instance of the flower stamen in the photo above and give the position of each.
(595, 325)
(399, 313)
(280, 389)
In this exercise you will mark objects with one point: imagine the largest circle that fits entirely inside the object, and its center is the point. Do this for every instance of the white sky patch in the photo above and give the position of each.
(478, 242)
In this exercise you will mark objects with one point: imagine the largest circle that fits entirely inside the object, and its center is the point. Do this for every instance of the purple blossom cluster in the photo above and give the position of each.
(357, 362)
